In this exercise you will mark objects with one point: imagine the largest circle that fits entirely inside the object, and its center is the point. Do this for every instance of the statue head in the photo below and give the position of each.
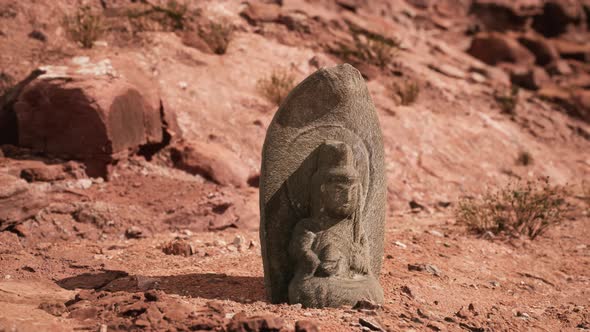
(336, 184)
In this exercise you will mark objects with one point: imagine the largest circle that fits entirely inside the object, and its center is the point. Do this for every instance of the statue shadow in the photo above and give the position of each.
(214, 286)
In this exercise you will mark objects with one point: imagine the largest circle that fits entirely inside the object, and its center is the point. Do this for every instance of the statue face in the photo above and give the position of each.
(339, 195)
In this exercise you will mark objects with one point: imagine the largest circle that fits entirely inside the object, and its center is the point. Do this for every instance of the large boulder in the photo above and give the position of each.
(89, 113)
(19, 201)
(494, 48)
(212, 161)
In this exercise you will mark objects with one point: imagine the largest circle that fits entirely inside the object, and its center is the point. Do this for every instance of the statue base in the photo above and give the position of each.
(318, 292)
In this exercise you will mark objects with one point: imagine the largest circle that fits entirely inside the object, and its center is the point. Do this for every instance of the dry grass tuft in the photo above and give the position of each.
(277, 86)
(519, 209)
(406, 93)
(217, 36)
(84, 27)
(369, 48)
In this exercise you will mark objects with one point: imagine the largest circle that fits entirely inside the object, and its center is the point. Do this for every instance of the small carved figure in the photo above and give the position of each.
(330, 248)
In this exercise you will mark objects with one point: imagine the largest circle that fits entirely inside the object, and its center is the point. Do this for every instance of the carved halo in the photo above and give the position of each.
(301, 199)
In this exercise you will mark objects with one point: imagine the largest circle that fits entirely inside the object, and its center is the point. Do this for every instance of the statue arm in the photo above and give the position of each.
(300, 249)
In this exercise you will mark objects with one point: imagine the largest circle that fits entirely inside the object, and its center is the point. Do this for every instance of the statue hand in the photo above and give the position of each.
(312, 264)
(327, 268)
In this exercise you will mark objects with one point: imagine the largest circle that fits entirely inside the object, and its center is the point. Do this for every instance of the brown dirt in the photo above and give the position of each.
(94, 260)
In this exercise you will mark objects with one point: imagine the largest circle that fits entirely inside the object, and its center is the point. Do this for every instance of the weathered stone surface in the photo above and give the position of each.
(493, 48)
(322, 194)
(556, 16)
(18, 201)
(49, 173)
(267, 323)
(88, 112)
(212, 161)
(544, 51)
(306, 326)
(572, 50)
(530, 78)
(261, 12)
(506, 14)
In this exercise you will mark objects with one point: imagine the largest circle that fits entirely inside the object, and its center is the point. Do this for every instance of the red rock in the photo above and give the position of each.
(178, 248)
(556, 16)
(581, 99)
(559, 67)
(493, 48)
(576, 103)
(543, 50)
(49, 173)
(192, 39)
(530, 78)
(85, 113)
(501, 15)
(212, 161)
(18, 201)
(256, 12)
(351, 5)
(266, 323)
(572, 50)
(306, 326)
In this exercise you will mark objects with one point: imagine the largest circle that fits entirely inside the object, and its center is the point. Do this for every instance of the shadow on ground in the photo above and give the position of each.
(207, 285)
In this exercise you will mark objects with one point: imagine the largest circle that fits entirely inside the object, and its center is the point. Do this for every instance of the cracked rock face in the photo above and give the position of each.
(18, 201)
(87, 112)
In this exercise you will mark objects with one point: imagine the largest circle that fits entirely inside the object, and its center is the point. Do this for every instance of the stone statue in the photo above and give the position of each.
(322, 194)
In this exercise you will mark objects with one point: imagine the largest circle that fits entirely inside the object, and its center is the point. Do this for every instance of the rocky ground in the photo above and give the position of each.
(153, 225)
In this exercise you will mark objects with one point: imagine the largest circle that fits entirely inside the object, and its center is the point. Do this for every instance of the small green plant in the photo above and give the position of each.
(406, 92)
(84, 27)
(369, 48)
(507, 100)
(527, 209)
(524, 158)
(217, 36)
(277, 86)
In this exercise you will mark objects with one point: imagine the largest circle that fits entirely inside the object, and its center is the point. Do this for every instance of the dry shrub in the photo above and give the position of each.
(527, 209)
(171, 16)
(217, 36)
(84, 27)
(277, 86)
(507, 100)
(369, 48)
(524, 158)
(406, 92)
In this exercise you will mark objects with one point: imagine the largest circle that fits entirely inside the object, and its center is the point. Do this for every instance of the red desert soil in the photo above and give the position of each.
(171, 243)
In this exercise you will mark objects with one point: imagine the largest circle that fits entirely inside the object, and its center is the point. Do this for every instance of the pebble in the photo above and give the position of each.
(400, 244)
(436, 233)
(219, 243)
(84, 183)
(239, 241)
